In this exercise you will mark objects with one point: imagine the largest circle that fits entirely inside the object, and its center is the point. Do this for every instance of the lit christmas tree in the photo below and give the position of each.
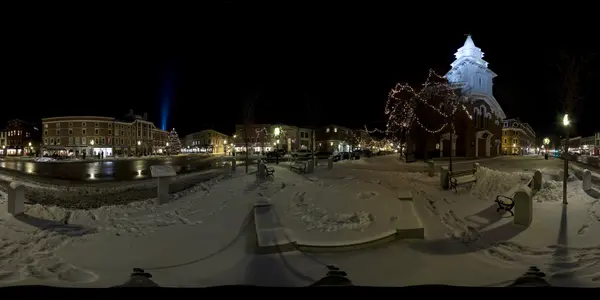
(174, 143)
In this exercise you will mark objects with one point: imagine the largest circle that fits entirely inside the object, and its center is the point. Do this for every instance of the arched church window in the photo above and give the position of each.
(480, 82)
(475, 119)
(481, 119)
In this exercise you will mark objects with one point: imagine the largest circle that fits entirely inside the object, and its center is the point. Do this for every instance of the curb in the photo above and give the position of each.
(272, 237)
(381, 239)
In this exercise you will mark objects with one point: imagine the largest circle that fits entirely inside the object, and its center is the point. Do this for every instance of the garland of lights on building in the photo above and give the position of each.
(402, 103)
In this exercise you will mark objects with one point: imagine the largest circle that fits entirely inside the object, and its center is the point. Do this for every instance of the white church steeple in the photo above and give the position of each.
(472, 71)
(469, 51)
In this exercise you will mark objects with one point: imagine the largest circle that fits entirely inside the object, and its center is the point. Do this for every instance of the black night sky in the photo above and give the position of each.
(302, 66)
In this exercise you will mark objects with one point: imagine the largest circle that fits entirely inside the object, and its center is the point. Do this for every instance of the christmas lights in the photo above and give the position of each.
(174, 146)
(402, 107)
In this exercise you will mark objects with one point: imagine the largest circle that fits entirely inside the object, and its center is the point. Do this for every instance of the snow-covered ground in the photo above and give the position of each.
(464, 229)
(102, 245)
(201, 237)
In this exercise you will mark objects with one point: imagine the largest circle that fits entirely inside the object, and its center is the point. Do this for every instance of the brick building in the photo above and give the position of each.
(206, 141)
(333, 138)
(93, 135)
(517, 137)
(21, 138)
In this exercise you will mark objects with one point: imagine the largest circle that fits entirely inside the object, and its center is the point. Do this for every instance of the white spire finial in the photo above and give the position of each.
(469, 42)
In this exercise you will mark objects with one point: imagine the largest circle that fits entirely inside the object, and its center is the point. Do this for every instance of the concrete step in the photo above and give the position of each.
(409, 225)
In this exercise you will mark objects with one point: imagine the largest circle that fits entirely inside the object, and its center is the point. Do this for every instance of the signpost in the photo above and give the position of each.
(162, 172)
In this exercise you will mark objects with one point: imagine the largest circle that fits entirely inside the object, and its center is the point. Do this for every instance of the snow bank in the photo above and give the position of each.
(28, 242)
(491, 183)
(44, 159)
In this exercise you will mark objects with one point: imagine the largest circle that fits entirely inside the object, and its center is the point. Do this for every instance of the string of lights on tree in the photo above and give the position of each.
(174, 146)
(264, 133)
(401, 106)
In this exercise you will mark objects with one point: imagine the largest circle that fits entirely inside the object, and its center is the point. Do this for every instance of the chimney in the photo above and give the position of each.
(145, 116)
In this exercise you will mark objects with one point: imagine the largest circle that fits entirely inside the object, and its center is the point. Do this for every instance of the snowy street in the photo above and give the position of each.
(205, 236)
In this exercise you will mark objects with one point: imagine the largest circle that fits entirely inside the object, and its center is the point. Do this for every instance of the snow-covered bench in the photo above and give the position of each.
(506, 201)
(269, 171)
(298, 166)
(461, 177)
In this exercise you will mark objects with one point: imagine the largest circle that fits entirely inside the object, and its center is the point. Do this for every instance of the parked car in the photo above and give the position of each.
(302, 153)
(344, 155)
(276, 153)
(323, 154)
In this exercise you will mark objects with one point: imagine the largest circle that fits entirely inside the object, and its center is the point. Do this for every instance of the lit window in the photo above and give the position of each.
(327, 130)
(335, 129)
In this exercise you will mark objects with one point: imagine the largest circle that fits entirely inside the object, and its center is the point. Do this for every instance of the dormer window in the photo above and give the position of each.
(327, 130)
(335, 129)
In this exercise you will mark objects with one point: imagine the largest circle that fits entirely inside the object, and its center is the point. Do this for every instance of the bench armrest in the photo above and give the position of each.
(498, 198)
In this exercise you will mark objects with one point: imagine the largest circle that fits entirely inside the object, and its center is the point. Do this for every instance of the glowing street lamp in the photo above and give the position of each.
(566, 120)
(29, 144)
(277, 131)
(546, 141)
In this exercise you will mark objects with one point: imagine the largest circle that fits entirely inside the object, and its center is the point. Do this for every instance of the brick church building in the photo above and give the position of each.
(478, 126)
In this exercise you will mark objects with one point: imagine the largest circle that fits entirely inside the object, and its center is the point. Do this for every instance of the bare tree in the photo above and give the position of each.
(312, 116)
(248, 119)
(409, 108)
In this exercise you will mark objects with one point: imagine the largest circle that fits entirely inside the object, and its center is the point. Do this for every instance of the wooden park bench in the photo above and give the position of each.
(269, 171)
(461, 177)
(506, 201)
(299, 166)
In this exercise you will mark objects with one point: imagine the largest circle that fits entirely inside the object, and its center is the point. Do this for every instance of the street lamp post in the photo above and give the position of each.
(233, 146)
(566, 122)
(277, 132)
(92, 148)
